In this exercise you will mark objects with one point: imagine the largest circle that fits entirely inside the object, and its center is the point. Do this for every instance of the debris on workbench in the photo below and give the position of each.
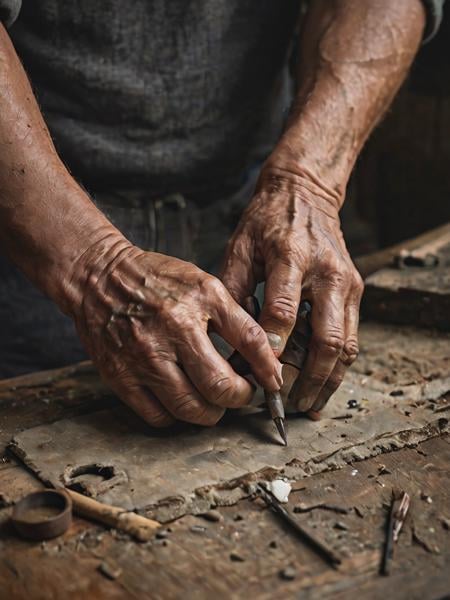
(397, 515)
(110, 570)
(358, 510)
(198, 529)
(305, 532)
(396, 393)
(439, 409)
(422, 538)
(280, 489)
(212, 515)
(354, 472)
(174, 496)
(353, 403)
(162, 534)
(302, 508)
(236, 557)
(340, 525)
(288, 573)
(426, 498)
(445, 523)
(383, 470)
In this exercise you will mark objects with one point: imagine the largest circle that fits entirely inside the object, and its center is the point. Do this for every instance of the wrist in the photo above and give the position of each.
(296, 180)
(62, 233)
(106, 249)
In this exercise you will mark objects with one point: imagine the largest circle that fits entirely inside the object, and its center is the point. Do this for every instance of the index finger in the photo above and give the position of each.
(240, 330)
(281, 301)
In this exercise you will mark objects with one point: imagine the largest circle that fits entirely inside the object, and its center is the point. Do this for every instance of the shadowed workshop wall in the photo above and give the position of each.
(401, 185)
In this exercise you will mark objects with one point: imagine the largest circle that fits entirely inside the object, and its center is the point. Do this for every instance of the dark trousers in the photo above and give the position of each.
(35, 335)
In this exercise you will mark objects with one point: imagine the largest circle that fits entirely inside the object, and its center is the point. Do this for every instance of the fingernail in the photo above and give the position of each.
(305, 404)
(276, 382)
(274, 340)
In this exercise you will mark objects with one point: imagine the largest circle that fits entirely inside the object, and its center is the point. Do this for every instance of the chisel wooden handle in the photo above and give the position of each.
(139, 527)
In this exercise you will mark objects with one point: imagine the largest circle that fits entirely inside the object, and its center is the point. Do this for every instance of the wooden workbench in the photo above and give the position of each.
(248, 552)
(243, 550)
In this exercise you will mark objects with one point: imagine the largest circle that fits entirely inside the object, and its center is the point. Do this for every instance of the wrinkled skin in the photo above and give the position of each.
(144, 319)
(353, 56)
(291, 238)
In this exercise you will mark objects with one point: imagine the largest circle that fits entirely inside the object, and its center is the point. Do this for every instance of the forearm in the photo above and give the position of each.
(47, 222)
(353, 58)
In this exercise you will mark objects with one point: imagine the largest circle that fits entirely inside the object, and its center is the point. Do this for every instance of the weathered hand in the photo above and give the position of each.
(290, 237)
(144, 319)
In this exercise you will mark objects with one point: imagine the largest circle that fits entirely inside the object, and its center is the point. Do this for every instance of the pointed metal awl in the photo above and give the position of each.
(279, 422)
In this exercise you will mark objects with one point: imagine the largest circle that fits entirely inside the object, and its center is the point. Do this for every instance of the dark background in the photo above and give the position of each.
(401, 183)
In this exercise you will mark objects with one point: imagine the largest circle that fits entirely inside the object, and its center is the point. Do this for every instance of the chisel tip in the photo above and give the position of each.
(279, 422)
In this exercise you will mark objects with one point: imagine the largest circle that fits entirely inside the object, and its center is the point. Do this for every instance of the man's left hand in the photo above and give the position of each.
(290, 237)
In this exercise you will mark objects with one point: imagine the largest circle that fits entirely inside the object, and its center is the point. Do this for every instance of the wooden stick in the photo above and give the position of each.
(135, 525)
(369, 263)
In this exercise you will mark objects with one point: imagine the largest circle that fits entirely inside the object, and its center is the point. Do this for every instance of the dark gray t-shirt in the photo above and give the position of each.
(159, 95)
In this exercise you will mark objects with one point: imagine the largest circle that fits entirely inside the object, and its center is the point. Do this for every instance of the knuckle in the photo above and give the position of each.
(332, 342)
(358, 284)
(252, 335)
(186, 407)
(214, 287)
(289, 254)
(114, 278)
(155, 417)
(119, 377)
(283, 310)
(92, 278)
(350, 351)
(190, 410)
(337, 278)
(222, 391)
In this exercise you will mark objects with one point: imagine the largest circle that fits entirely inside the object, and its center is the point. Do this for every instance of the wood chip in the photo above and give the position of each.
(110, 570)
(288, 573)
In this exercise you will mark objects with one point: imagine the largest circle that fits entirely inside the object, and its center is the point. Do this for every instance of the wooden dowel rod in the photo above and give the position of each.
(135, 525)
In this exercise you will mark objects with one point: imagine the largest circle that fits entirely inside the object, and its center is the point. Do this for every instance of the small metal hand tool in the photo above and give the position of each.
(295, 353)
(303, 531)
(399, 510)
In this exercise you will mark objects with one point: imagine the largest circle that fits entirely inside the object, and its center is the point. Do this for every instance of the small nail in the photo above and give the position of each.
(274, 340)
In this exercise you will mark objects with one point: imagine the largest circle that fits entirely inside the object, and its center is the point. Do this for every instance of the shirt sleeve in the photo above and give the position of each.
(434, 10)
(9, 11)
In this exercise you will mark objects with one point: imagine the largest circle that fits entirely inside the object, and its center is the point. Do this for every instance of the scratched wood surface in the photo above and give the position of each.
(247, 552)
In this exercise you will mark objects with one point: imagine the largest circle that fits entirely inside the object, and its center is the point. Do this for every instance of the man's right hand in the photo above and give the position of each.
(144, 318)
